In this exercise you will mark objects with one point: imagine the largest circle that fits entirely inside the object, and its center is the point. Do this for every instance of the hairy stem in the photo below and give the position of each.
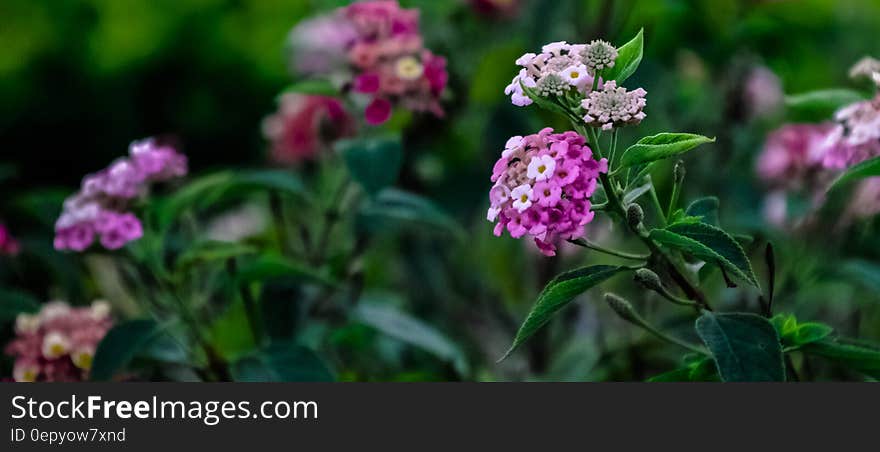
(596, 247)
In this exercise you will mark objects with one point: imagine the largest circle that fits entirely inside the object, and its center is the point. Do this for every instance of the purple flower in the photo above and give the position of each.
(99, 208)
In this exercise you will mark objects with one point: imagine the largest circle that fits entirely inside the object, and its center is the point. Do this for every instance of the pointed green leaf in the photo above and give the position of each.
(281, 362)
(860, 356)
(745, 346)
(629, 56)
(122, 343)
(868, 168)
(710, 244)
(704, 208)
(401, 209)
(557, 294)
(211, 251)
(374, 163)
(661, 146)
(822, 102)
(395, 323)
(267, 267)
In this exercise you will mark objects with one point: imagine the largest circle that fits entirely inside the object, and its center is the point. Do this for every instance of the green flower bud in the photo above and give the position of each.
(648, 279)
(634, 215)
(622, 307)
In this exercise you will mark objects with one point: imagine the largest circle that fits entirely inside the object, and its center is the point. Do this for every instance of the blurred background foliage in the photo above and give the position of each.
(80, 79)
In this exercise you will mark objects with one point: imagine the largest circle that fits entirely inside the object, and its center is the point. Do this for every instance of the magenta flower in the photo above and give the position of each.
(8, 245)
(305, 125)
(59, 342)
(543, 185)
(98, 209)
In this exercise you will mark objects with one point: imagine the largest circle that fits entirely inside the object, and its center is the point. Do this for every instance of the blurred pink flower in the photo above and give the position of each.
(865, 201)
(857, 135)
(495, 8)
(8, 245)
(59, 342)
(793, 154)
(305, 125)
(762, 92)
(385, 57)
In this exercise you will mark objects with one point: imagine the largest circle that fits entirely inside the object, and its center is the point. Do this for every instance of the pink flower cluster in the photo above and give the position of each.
(793, 155)
(543, 185)
(385, 55)
(856, 136)
(304, 125)
(98, 208)
(8, 245)
(59, 342)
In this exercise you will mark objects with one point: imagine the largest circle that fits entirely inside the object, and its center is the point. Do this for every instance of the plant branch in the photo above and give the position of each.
(596, 247)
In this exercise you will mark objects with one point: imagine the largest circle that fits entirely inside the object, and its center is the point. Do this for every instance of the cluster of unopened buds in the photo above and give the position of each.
(572, 72)
(808, 156)
(376, 48)
(59, 342)
(99, 208)
(543, 183)
(304, 125)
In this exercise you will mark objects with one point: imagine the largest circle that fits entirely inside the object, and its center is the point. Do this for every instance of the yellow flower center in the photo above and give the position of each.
(29, 376)
(575, 74)
(542, 168)
(409, 68)
(57, 349)
(83, 360)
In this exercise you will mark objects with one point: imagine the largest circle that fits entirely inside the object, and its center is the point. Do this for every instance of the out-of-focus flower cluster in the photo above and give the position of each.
(376, 48)
(305, 125)
(543, 184)
(99, 208)
(59, 342)
(808, 156)
(565, 70)
(8, 245)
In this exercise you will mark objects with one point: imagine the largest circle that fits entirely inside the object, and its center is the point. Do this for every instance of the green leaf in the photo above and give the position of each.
(710, 244)
(268, 267)
(406, 328)
(823, 102)
(211, 251)
(557, 294)
(374, 163)
(209, 189)
(314, 87)
(122, 343)
(398, 208)
(700, 370)
(281, 362)
(868, 168)
(745, 346)
(856, 355)
(661, 146)
(13, 303)
(704, 208)
(635, 193)
(629, 56)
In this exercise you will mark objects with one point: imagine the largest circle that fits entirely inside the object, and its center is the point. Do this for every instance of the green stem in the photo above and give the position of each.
(673, 200)
(656, 200)
(616, 206)
(622, 254)
(255, 322)
(672, 340)
(613, 149)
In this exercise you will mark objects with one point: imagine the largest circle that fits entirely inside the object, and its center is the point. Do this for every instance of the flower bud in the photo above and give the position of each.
(678, 172)
(622, 307)
(634, 215)
(648, 279)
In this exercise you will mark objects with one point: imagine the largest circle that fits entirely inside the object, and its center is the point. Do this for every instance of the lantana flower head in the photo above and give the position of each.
(542, 187)
(385, 58)
(99, 208)
(614, 106)
(304, 125)
(598, 55)
(558, 68)
(59, 342)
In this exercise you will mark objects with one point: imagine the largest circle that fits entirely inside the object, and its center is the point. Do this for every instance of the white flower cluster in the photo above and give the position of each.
(614, 106)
